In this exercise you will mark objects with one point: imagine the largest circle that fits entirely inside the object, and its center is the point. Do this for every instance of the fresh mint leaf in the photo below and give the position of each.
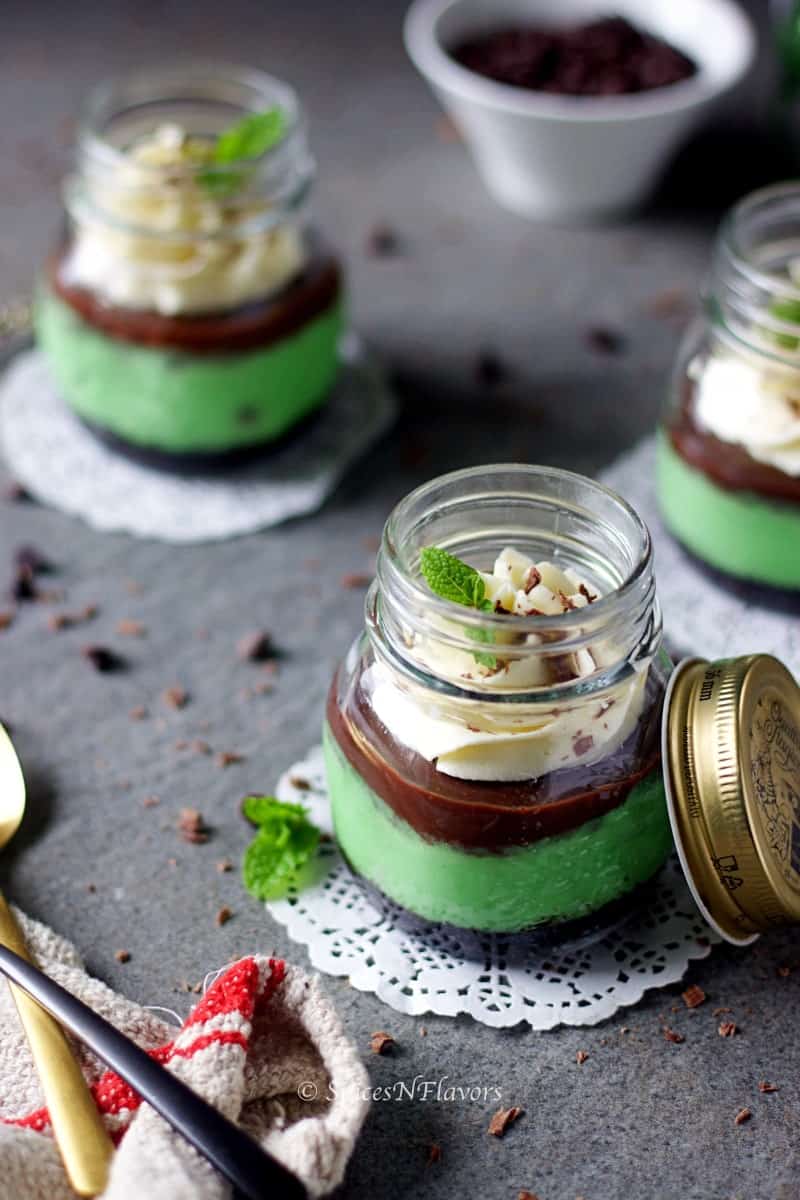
(285, 841)
(247, 139)
(451, 578)
(789, 311)
(454, 580)
(251, 137)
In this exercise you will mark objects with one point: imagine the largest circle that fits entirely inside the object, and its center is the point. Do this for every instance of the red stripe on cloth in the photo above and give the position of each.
(235, 991)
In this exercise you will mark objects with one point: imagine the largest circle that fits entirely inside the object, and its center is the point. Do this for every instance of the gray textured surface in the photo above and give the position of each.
(641, 1118)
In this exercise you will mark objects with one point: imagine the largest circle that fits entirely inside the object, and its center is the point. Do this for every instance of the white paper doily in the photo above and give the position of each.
(345, 935)
(703, 614)
(63, 465)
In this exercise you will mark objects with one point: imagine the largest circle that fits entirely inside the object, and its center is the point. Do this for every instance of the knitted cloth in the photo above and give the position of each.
(260, 1032)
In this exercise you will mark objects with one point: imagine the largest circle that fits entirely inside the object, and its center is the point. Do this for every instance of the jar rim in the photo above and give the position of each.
(185, 82)
(602, 606)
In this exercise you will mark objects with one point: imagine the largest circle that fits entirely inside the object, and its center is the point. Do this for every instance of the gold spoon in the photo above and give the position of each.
(85, 1147)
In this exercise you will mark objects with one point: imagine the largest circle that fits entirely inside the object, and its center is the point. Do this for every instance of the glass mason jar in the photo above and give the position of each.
(494, 772)
(189, 312)
(729, 454)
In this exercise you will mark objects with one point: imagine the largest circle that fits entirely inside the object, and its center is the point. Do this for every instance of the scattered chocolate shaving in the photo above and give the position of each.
(434, 1153)
(15, 493)
(423, 1031)
(727, 1029)
(28, 558)
(58, 621)
(694, 996)
(582, 745)
(23, 585)
(122, 956)
(6, 619)
(129, 628)
(743, 1115)
(224, 915)
(766, 1088)
(192, 827)
(532, 579)
(200, 747)
(717, 1012)
(584, 591)
(255, 647)
(102, 659)
(138, 713)
(356, 579)
(151, 801)
(300, 782)
(224, 865)
(581, 1057)
(784, 971)
(524, 1195)
(490, 370)
(381, 1041)
(604, 341)
(176, 697)
(567, 604)
(502, 1119)
(228, 758)
(383, 242)
(91, 888)
(671, 1035)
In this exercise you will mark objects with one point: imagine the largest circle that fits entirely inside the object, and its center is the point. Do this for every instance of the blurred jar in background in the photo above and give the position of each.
(190, 313)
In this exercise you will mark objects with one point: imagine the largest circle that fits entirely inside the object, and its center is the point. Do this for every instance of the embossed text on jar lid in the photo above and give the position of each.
(731, 744)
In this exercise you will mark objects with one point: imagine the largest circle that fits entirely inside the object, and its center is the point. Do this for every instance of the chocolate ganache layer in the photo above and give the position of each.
(726, 463)
(246, 327)
(490, 816)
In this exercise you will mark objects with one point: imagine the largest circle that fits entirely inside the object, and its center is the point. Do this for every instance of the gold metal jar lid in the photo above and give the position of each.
(731, 747)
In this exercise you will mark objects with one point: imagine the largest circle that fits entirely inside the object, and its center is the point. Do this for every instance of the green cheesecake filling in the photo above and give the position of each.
(555, 879)
(737, 532)
(179, 402)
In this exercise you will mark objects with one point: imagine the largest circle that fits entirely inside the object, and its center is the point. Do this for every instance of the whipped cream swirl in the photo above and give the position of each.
(751, 406)
(508, 742)
(154, 237)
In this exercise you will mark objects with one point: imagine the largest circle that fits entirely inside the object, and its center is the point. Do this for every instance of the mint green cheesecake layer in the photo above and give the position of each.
(554, 879)
(175, 401)
(737, 532)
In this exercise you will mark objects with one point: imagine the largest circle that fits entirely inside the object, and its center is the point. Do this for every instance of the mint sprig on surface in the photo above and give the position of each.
(285, 842)
(247, 139)
(454, 580)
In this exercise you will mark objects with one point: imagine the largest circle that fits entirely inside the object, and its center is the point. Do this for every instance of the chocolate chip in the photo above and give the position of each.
(727, 1029)
(743, 1115)
(6, 619)
(138, 713)
(581, 1057)
(383, 242)
(766, 1088)
(122, 956)
(434, 1153)
(356, 580)
(532, 579)
(255, 647)
(191, 826)
(694, 996)
(502, 1119)
(671, 1035)
(58, 621)
(30, 559)
(584, 591)
(228, 758)
(176, 697)
(224, 865)
(604, 341)
(103, 659)
(381, 1041)
(224, 915)
(582, 745)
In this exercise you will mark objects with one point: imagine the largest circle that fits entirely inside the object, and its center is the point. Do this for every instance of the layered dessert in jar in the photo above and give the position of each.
(729, 453)
(492, 739)
(190, 315)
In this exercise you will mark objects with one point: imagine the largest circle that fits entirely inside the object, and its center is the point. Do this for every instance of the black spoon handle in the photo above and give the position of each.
(253, 1172)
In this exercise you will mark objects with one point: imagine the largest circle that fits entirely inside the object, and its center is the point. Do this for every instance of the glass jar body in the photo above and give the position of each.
(466, 802)
(729, 448)
(190, 310)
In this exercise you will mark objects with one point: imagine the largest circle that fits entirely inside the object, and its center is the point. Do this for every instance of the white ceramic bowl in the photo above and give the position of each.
(573, 157)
